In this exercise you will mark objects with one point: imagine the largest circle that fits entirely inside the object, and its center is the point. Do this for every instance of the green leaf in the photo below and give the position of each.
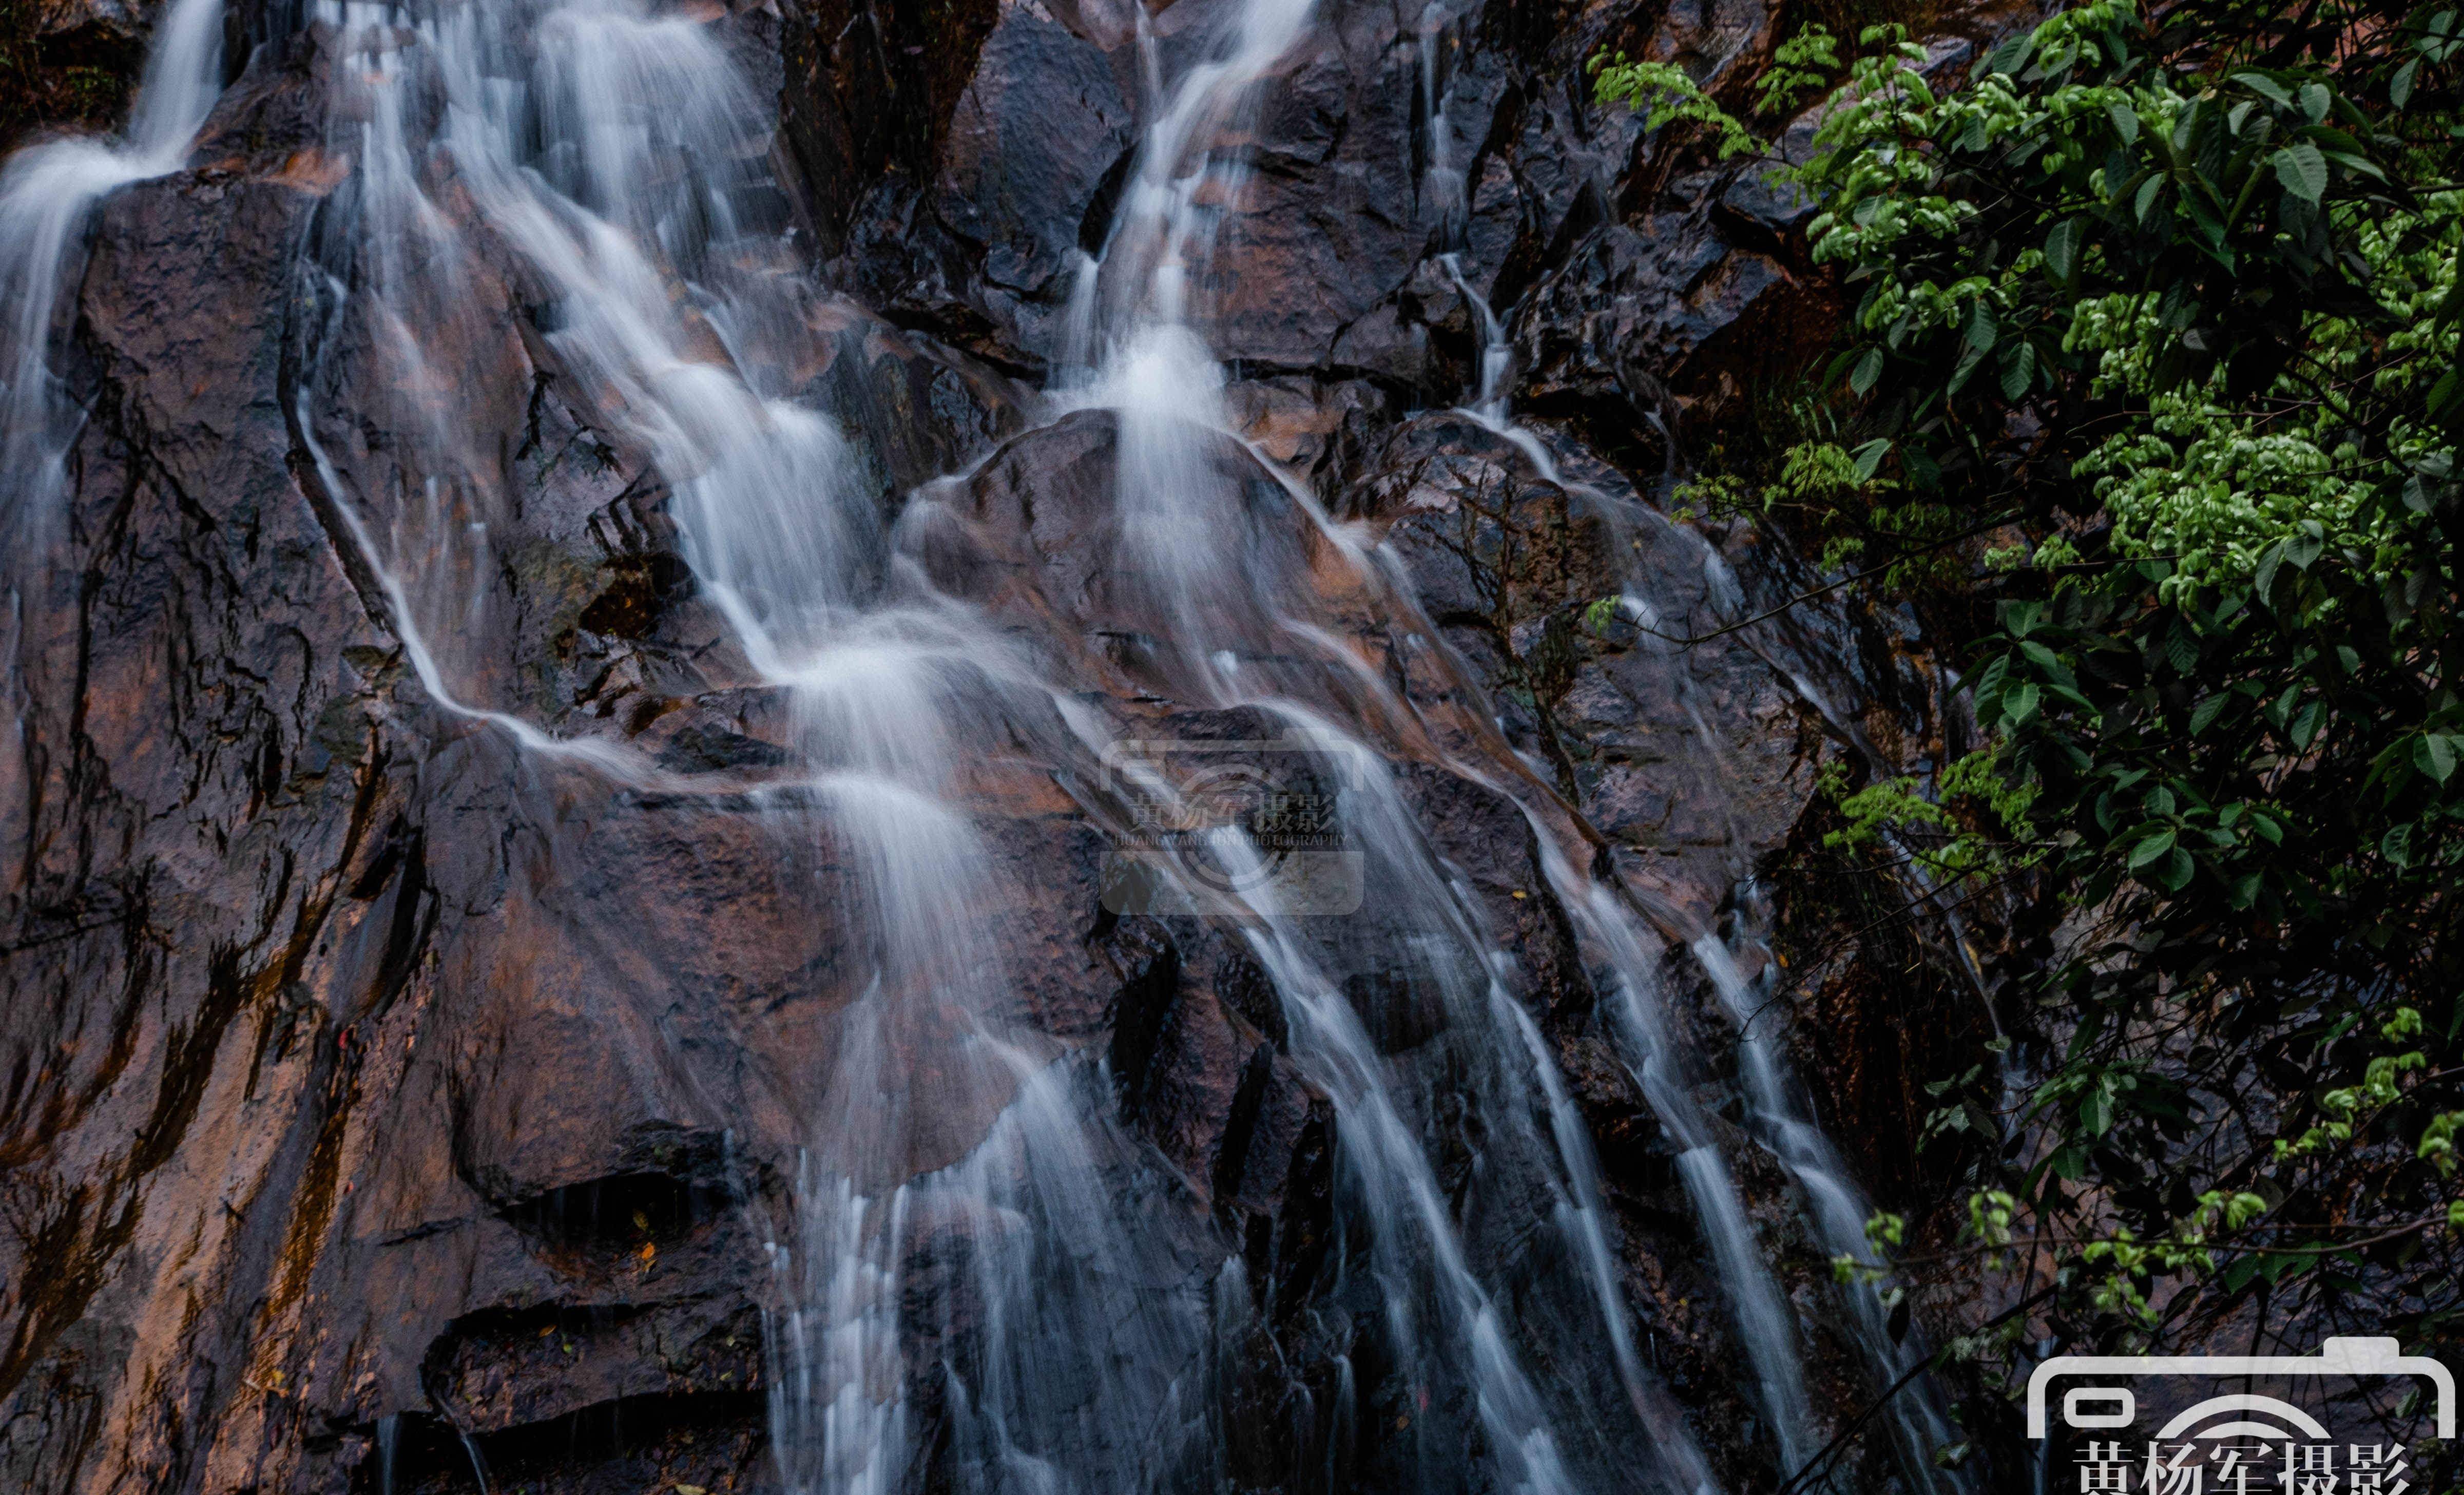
(2018, 370)
(2396, 845)
(2434, 754)
(2147, 191)
(2443, 393)
(2176, 872)
(2264, 579)
(2307, 546)
(1982, 328)
(2357, 164)
(2307, 725)
(2209, 223)
(2096, 1113)
(2149, 850)
(2125, 123)
(2331, 139)
(1869, 369)
(2302, 170)
(1869, 458)
(2182, 650)
(2400, 87)
(2062, 249)
(1970, 362)
(2261, 85)
(2313, 101)
(2064, 692)
(2019, 706)
(2203, 715)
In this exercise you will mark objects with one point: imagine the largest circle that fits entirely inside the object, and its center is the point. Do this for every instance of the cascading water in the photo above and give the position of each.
(984, 1282)
(1182, 522)
(1766, 1322)
(1838, 1208)
(546, 117)
(1835, 1206)
(46, 195)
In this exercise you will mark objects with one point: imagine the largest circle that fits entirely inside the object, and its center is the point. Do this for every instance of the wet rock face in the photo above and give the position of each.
(1574, 603)
(385, 1100)
(1324, 258)
(867, 89)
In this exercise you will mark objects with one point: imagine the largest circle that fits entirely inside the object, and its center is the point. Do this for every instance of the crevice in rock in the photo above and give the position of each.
(618, 1214)
(650, 1442)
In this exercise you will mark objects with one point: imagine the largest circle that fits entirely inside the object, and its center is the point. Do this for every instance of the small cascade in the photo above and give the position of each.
(46, 195)
(1496, 364)
(389, 1445)
(1765, 1323)
(1784, 1122)
(1446, 191)
(1182, 526)
(1780, 1121)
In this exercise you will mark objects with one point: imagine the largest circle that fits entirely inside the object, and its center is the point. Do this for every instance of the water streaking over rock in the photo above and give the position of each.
(46, 193)
(793, 748)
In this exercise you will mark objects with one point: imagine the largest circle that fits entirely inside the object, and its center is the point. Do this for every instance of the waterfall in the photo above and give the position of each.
(1181, 526)
(1445, 188)
(981, 1278)
(1766, 1322)
(1835, 1206)
(47, 195)
(547, 120)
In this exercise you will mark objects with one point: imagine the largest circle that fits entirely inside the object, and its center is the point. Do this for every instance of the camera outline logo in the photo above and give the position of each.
(1293, 856)
(2252, 1442)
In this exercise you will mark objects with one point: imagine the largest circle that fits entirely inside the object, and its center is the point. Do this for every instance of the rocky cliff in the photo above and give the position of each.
(390, 1100)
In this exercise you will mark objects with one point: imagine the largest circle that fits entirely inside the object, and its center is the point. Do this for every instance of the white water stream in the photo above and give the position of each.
(1782, 1122)
(46, 194)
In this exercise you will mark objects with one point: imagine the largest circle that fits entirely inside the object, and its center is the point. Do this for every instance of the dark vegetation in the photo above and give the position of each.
(79, 77)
